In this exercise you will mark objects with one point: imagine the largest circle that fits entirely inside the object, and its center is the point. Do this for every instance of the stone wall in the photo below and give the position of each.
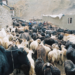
(5, 17)
(63, 22)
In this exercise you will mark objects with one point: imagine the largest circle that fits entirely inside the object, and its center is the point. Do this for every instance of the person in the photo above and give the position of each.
(44, 23)
(30, 23)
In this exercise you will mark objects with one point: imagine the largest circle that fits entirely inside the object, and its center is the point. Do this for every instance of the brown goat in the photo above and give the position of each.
(41, 52)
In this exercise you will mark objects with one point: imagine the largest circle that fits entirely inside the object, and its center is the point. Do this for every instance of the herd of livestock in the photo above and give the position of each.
(36, 48)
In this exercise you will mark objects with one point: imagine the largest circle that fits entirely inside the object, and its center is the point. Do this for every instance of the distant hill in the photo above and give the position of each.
(36, 8)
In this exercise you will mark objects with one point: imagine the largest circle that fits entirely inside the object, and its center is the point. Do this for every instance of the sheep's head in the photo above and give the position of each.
(62, 46)
(39, 41)
(10, 37)
(66, 34)
(39, 60)
(20, 40)
(17, 42)
(55, 46)
(30, 41)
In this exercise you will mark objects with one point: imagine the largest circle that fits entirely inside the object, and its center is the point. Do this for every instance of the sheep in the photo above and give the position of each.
(25, 35)
(22, 44)
(38, 66)
(2, 33)
(35, 44)
(49, 69)
(5, 38)
(8, 30)
(48, 46)
(70, 54)
(26, 28)
(23, 28)
(12, 47)
(69, 67)
(30, 41)
(59, 54)
(55, 55)
(49, 41)
(47, 49)
(53, 36)
(60, 36)
(63, 50)
(46, 69)
(55, 70)
(25, 43)
(34, 36)
(41, 52)
(31, 72)
(19, 30)
(69, 37)
(6, 42)
(52, 56)
(13, 30)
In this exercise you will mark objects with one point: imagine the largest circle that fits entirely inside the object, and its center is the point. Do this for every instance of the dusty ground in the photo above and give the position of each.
(61, 69)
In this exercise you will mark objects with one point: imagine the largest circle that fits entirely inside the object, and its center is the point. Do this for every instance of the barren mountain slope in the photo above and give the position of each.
(36, 8)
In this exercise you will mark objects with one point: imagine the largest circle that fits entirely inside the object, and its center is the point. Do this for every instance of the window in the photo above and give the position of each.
(69, 20)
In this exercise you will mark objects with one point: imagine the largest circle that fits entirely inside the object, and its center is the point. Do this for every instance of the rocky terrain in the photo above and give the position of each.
(36, 8)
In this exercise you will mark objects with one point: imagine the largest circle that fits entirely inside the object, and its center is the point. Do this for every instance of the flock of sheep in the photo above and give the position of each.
(46, 45)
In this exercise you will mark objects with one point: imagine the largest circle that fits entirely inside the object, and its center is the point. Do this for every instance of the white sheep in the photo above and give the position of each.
(22, 45)
(53, 36)
(63, 49)
(2, 33)
(35, 44)
(9, 28)
(59, 54)
(52, 56)
(13, 29)
(6, 42)
(31, 72)
(25, 42)
(55, 55)
(47, 49)
(69, 37)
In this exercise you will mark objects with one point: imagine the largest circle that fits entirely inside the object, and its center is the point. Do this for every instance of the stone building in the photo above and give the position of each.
(4, 3)
(67, 21)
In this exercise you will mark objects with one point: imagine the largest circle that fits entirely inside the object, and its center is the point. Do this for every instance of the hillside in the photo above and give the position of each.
(36, 8)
